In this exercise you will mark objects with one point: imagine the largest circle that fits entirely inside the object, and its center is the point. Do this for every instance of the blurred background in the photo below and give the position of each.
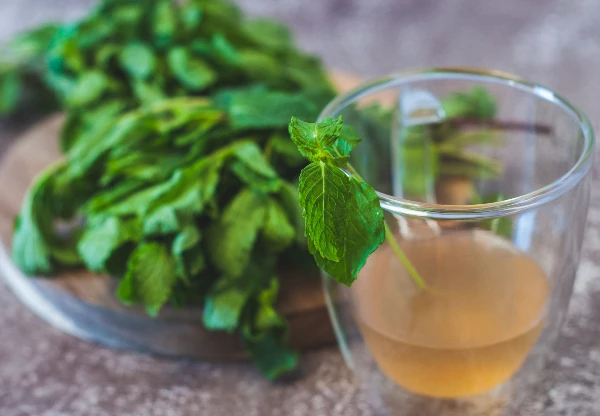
(553, 42)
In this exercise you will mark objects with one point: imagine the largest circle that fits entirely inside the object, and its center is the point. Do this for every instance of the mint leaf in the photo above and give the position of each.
(134, 203)
(89, 87)
(171, 205)
(266, 317)
(261, 66)
(252, 168)
(231, 297)
(316, 140)
(164, 22)
(258, 108)
(138, 60)
(231, 238)
(64, 253)
(288, 195)
(85, 154)
(272, 356)
(94, 122)
(10, 91)
(151, 143)
(30, 245)
(147, 92)
(323, 192)
(502, 226)
(191, 15)
(347, 141)
(269, 33)
(106, 197)
(250, 154)
(192, 72)
(277, 229)
(150, 277)
(484, 103)
(224, 305)
(478, 103)
(343, 220)
(104, 235)
(282, 148)
(264, 335)
(126, 290)
(164, 220)
(223, 50)
(189, 259)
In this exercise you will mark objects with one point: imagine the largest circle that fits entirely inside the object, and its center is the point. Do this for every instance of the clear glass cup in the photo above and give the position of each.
(484, 180)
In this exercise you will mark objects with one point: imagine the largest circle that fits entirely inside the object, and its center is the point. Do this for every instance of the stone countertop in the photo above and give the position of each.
(555, 42)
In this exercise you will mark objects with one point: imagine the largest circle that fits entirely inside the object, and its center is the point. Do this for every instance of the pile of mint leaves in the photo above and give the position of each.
(178, 176)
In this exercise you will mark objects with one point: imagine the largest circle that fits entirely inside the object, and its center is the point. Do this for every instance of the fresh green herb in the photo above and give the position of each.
(150, 277)
(215, 216)
(32, 236)
(502, 226)
(177, 178)
(343, 219)
(478, 103)
(21, 71)
(431, 151)
(128, 53)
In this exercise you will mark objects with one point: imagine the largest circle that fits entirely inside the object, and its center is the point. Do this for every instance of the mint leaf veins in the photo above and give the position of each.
(343, 220)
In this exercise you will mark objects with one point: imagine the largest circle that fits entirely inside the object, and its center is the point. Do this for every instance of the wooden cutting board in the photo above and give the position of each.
(83, 304)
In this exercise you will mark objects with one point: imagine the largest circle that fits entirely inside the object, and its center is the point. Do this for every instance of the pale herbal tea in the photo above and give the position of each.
(473, 327)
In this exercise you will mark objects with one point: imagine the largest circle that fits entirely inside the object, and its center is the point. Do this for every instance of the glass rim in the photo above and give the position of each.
(502, 208)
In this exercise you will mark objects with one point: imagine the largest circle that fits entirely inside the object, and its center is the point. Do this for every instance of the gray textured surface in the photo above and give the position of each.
(557, 43)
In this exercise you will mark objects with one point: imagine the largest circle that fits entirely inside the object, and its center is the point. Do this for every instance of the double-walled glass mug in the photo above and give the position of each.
(484, 180)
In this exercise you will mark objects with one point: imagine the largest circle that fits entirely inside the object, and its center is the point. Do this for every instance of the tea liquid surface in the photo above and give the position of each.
(469, 331)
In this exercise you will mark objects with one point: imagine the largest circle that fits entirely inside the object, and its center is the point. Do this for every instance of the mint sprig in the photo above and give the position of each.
(344, 223)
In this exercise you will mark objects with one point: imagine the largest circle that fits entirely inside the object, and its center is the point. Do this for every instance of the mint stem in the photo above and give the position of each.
(410, 268)
(389, 236)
